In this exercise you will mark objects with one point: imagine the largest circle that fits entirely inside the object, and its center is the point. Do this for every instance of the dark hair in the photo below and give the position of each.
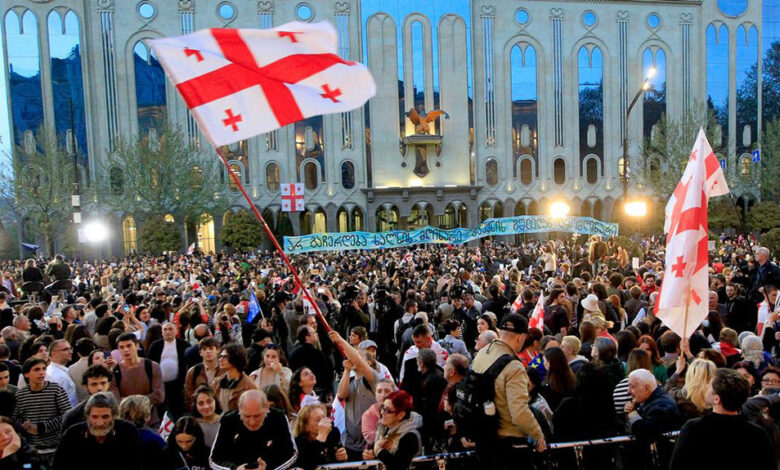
(534, 334)
(96, 370)
(600, 290)
(638, 359)
(655, 356)
(32, 362)
(420, 330)
(127, 337)
(189, 425)
(296, 389)
(278, 399)
(615, 279)
(152, 334)
(713, 355)
(103, 326)
(489, 320)
(626, 342)
(732, 388)
(236, 355)
(303, 332)
(4, 367)
(84, 346)
(401, 401)
(113, 336)
(207, 390)
(5, 351)
(449, 325)
(669, 341)
(77, 332)
(528, 295)
(559, 375)
(260, 334)
(208, 342)
(606, 348)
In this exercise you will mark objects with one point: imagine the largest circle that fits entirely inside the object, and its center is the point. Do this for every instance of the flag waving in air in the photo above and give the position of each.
(254, 308)
(537, 318)
(683, 301)
(243, 82)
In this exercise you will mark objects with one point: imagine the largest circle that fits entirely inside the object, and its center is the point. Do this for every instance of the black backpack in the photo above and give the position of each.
(402, 327)
(471, 395)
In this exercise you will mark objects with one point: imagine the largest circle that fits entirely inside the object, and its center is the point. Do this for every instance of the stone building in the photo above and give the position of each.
(535, 91)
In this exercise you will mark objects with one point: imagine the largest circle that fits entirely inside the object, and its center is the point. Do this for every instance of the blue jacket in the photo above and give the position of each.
(657, 415)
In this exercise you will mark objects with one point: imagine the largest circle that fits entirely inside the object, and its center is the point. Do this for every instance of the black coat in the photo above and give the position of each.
(306, 355)
(236, 445)
(78, 449)
(156, 349)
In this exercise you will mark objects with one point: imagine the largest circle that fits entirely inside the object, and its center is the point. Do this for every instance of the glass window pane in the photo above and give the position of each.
(591, 171)
(732, 7)
(227, 11)
(653, 20)
(348, 175)
(591, 101)
(747, 88)
(149, 90)
(522, 16)
(24, 78)
(559, 171)
(526, 175)
(418, 73)
(491, 172)
(718, 78)
(272, 177)
(310, 172)
(524, 104)
(589, 18)
(654, 98)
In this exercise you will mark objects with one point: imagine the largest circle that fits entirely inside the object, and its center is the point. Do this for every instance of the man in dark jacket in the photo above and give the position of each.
(58, 269)
(723, 439)
(432, 385)
(253, 434)
(765, 273)
(102, 441)
(651, 413)
(169, 352)
(306, 354)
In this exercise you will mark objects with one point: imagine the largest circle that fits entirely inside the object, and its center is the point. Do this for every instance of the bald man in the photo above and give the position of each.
(253, 434)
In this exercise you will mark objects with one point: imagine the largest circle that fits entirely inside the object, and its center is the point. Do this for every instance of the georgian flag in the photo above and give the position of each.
(537, 317)
(517, 304)
(683, 300)
(243, 82)
(292, 197)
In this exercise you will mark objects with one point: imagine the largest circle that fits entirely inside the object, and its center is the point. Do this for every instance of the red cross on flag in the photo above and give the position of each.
(243, 82)
(683, 301)
(292, 197)
(537, 317)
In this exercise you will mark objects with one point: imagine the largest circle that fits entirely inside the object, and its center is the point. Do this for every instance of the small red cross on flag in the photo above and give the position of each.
(292, 197)
(681, 301)
(262, 79)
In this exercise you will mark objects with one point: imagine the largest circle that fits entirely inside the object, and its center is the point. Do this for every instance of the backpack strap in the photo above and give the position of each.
(118, 378)
(498, 366)
(149, 373)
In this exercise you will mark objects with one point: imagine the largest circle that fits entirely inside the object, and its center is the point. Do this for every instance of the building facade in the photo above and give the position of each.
(535, 91)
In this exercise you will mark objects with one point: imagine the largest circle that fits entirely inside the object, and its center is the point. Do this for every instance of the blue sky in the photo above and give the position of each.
(5, 132)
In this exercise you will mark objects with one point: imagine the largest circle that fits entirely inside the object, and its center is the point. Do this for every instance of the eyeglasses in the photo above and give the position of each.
(769, 381)
(385, 410)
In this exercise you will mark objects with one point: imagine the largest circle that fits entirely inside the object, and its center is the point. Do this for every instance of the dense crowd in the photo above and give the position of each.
(167, 363)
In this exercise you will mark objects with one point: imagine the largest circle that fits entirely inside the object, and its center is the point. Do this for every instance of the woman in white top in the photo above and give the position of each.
(273, 370)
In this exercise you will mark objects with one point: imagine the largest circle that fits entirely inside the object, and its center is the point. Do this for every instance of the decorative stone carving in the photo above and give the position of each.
(487, 10)
(342, 8)
(105, 4)
(622, 15)
(265, 6)
(686, 18)
(556, 13)
(185, 5)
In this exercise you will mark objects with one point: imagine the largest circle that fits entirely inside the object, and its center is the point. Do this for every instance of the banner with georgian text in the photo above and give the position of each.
(490, 227)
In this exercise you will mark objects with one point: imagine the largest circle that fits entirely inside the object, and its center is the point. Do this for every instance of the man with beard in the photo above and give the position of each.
(98, 442)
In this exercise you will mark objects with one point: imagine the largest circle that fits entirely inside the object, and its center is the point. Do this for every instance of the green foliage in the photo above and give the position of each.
(242, 232)
(720, 214)
(632, 248)
(666, 152)
(770, 161)
(157, 235)
(154, 176)
(9, 248)
(771, 240)
(763, 216)
(283, 227)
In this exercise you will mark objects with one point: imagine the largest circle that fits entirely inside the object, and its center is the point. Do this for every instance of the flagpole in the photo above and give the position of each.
(278, 247)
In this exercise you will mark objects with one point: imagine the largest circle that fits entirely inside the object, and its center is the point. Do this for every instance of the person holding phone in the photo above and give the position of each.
(318, 441)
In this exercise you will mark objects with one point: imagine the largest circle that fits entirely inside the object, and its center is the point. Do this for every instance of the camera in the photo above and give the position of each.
(349, 294)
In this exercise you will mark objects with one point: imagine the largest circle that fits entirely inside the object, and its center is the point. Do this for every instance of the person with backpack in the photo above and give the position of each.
(137, 376)
(203, 373)
(514, 421)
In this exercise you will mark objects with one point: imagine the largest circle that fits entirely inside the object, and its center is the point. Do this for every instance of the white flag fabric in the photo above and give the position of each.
(243, 82)
(683, 301)
(537, 317)
(292, 197)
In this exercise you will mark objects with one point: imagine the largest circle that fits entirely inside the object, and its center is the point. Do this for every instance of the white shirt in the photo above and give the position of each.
(59, 374)
(169, 361)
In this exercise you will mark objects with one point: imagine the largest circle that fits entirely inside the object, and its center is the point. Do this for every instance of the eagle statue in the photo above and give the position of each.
(421, 122)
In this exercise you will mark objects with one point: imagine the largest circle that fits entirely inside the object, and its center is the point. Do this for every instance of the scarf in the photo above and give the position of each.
(395, 433)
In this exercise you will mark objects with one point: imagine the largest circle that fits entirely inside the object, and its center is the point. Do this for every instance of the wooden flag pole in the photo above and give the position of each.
(278, 247)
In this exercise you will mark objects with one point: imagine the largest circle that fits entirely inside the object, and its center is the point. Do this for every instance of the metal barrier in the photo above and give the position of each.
(442, 459)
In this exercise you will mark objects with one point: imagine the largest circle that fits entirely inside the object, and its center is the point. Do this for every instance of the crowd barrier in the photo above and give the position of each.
(578, 447)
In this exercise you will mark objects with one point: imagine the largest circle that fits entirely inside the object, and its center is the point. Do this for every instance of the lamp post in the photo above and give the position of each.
(626, 164)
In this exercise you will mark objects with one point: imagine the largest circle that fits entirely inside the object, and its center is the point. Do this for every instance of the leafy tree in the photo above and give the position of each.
(242, 232)
(771, 240)
(764, 216)
(720, 214)
(747, 101)
(666, 152)
(157, 235)
(770, 161)
(37, 187)
(152, 177)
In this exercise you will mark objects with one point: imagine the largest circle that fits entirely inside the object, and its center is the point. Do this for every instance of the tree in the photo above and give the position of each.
(152, 177)
(666, 152)
(763, 216)
(157, 235)
(38, 186)
(720, 213)
(747, 101)
(771, 240)
(242, 232)
(770, 163)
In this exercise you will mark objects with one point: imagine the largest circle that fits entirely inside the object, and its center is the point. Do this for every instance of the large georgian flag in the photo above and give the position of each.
(243, 82)
(682, 303)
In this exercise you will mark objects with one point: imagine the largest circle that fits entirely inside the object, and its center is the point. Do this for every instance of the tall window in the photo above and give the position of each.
(491, 172)
(526, 171)
(591, 101)
(24, 73)
(205, 230)
(309, 142)
(747, 87)
(149, 89)
(67, 82)
(718, 79)
(310, 175)
(348, 175)
(129, 235)
(591, 171)
(654, 104)
(418, 67)
(524, 104)
(272, 176)
(559, 171)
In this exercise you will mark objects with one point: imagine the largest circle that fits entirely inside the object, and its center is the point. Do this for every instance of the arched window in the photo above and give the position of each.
(526, 171)
(418, 72)
(348, 175)
(24, 78)
(309, 143)
(590, 69)
(559, 171)
(149, 89)
(310, 175)
(129, 235)
(357, 219)
(320, 221)
(342, 217)
(717, 81)
(591, 171)
(205, 231)
(196, 173)
(491, 172)
(747, 107)
(236, 168)
(524, 104)
(272, 176)
(67, 82)
(654, 104)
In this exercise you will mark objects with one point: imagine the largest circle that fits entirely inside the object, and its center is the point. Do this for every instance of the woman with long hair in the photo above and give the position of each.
(14, 454)
(152, 334)
(556, 317)
(318, 441)
(659, 370)
(186, 446)
(560, 381)
(688, 388)
(273, 369)
(207, 411)
(279, 399)
(302, 389)
(230, 385)
(531, 347)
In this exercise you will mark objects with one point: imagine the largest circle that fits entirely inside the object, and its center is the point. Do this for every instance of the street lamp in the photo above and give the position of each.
(636, 208)
(626, 170)
(95, 232)
(559, 209)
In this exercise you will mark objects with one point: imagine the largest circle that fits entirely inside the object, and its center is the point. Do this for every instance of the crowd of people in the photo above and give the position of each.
(220, 361)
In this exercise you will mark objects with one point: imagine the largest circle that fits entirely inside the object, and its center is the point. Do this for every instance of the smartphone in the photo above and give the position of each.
(126, 308)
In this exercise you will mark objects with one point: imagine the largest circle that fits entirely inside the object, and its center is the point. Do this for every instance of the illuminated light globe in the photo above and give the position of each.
(95, 232)
(636, 208)
(559, 209)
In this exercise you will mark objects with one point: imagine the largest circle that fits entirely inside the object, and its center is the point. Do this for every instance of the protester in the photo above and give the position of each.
(234, 382)
(186, 447)
(317, 440)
